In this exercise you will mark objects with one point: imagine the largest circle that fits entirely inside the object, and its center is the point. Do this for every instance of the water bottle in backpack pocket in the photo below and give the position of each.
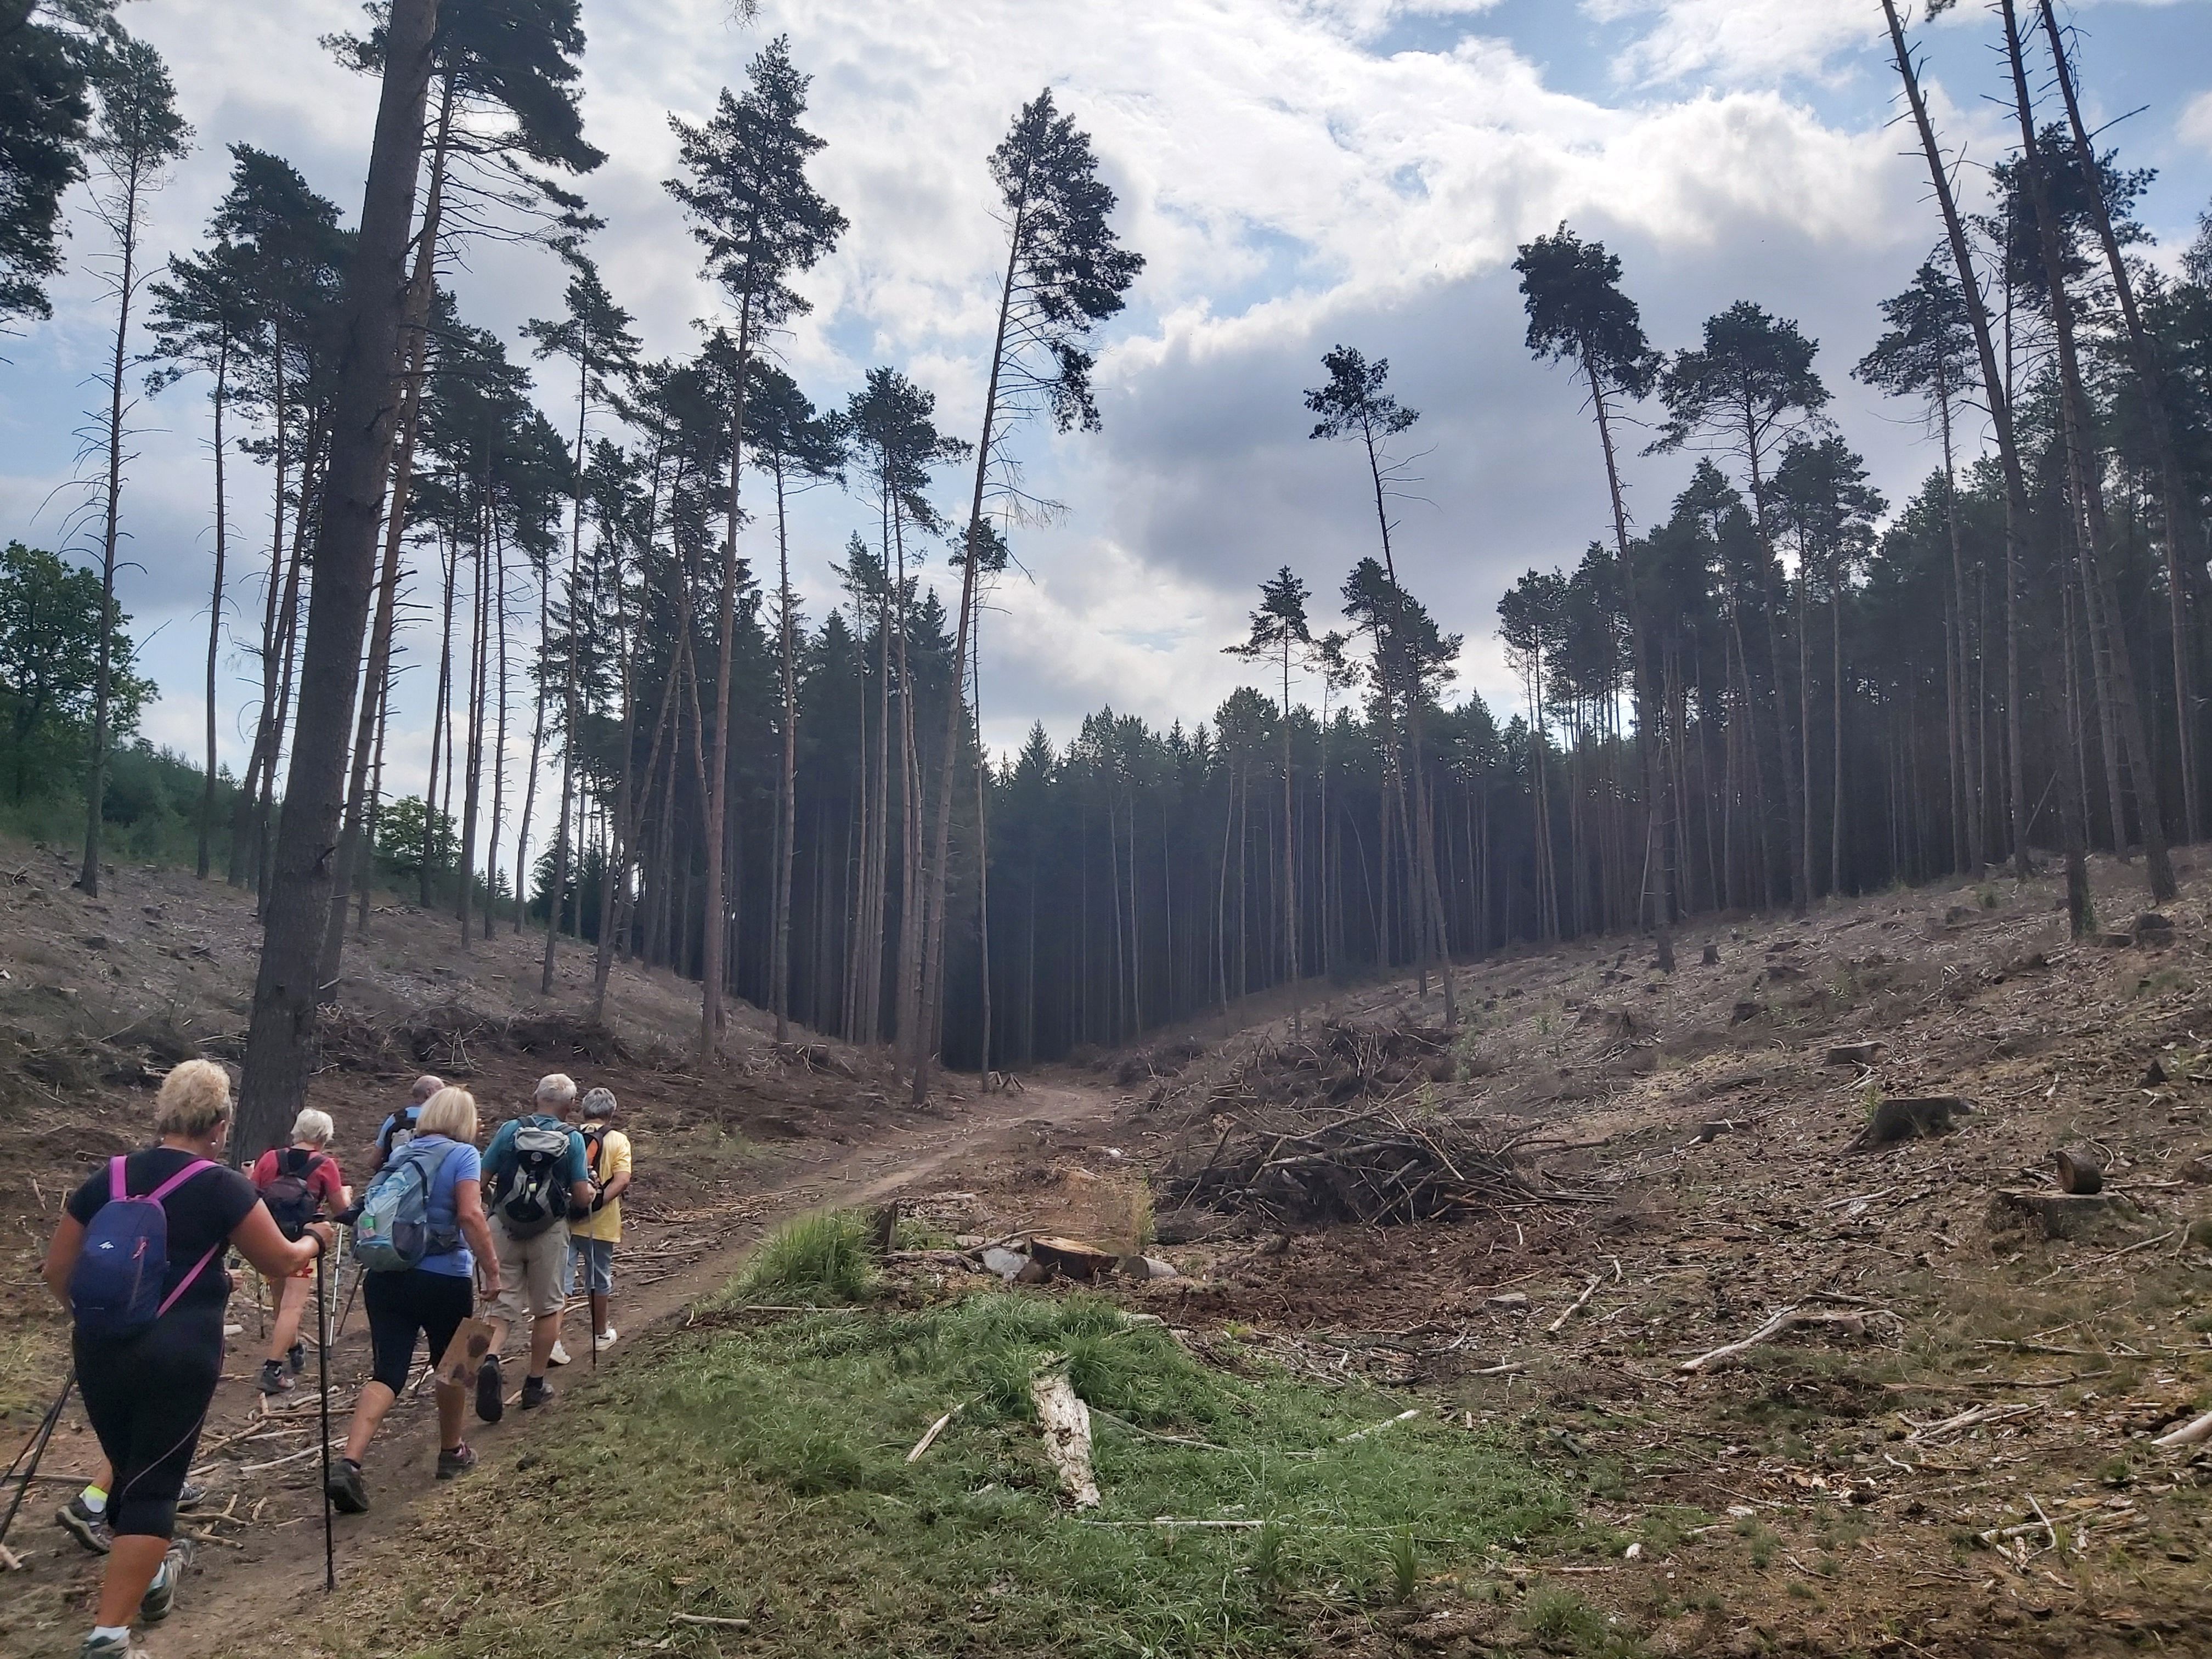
(393, 1231)
(536, 1195)
(115, 1289)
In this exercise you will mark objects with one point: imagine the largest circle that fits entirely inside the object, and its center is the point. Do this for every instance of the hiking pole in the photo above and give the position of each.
(35, 1446)
(323, 1367)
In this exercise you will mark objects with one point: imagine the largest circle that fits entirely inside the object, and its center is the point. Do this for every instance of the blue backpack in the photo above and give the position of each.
(115, 1289)
(393, 1232)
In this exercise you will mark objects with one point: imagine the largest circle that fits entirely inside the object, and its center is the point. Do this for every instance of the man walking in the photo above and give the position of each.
(594, 1233)
(534, 1176)
(399, 1127)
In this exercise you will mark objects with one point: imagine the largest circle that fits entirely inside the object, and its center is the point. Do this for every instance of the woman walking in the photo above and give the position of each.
(429, 1300)
(297, 1182)
(147, 1384)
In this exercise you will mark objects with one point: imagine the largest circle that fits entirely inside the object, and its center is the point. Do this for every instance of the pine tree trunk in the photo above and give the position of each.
(215, 616)
(713, 929)
(441, 734)
(264, 729)
(281, 1033)
(537, 752)
(787, 778)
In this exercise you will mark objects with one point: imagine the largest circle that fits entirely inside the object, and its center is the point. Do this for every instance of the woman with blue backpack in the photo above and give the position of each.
(419, 1235)
(137, 1260)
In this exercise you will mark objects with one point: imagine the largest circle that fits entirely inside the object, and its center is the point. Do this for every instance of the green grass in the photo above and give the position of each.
(817, 1260)
(762, 1474)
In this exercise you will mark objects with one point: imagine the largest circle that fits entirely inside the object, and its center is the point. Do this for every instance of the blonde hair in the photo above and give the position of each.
(313, 1125)
(451, 1112)
(556, 1089)
(195, 1097)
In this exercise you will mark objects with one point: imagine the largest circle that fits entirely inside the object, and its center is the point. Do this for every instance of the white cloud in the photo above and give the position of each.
(2195, 126)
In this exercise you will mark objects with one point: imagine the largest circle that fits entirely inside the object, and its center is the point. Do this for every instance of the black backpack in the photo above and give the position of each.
(401, 1132)
(536, 1194)
(290, 1200)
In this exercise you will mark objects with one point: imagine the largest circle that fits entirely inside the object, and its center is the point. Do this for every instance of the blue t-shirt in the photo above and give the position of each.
(461, 1164)
(499, 1159)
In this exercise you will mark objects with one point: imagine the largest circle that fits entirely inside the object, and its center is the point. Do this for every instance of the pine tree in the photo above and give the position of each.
(1278, 627)
(761, 221)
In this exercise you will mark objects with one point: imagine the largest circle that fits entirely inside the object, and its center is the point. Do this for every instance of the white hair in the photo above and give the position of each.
(556, 1089)
(600, 1103)
(313, 1125)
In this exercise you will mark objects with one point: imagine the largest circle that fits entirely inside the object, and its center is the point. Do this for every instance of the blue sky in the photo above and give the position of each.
(1298, 172)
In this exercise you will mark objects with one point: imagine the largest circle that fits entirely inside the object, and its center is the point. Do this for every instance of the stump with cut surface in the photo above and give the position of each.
(2078, 1172)
(1913, 1119)
(1071, 1258)
(2059, 1215)
(1856, 1054)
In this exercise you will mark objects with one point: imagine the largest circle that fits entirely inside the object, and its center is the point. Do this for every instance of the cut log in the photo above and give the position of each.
(1856, 1054)
(1072, 1259)
(2153, 927)
(1910, 1118)
(2058, 1215)
(2194, 1432)
(1065, 1421)
(2078, 1172)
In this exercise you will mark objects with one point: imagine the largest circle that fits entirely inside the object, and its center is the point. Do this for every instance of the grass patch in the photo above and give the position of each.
(762, 1474)
(818, 1259)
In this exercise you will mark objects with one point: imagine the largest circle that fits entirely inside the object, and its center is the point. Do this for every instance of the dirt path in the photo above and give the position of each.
(274, 1562)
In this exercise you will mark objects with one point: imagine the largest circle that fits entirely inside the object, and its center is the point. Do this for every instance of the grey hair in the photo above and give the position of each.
(600, 1103)
(313, 1125)
(425, 1086)
(556, 1089)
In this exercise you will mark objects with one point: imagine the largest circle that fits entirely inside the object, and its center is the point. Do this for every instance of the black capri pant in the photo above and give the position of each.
(147, 1395)
(403, 1305)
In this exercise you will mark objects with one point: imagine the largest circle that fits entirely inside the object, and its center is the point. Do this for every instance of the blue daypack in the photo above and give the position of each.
(393, 1232)
(115, 1289)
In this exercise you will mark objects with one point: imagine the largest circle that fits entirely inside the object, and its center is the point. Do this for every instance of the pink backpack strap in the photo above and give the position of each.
(118, 1190)
(178, 1179)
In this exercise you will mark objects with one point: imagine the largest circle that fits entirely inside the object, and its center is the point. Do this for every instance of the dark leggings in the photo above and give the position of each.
(402, 1305)
(147, 1397)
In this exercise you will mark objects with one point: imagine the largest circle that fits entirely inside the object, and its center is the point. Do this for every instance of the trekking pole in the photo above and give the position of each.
(323, 1367)
(35, 1447)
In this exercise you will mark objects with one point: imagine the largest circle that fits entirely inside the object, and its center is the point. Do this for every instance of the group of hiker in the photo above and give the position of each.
(441, 1235)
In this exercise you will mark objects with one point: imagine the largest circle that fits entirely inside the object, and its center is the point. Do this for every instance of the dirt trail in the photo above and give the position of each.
(276, 1562)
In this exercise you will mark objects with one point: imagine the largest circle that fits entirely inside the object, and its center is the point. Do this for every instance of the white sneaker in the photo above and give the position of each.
(605, 1339)
(560, 1355)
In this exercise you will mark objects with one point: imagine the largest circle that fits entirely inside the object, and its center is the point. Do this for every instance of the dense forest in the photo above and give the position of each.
(1785, 687)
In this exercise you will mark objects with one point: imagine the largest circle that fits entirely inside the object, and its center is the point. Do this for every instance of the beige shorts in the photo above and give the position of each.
(533, 1272)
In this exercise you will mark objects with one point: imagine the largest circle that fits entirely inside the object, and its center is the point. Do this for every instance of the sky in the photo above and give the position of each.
(1298, 174)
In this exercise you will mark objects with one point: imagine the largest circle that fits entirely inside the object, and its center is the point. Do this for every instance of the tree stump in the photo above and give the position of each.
(883, 1226)
(1910, 1119)
(1712, 956)
(2058, 1215)
(1856, 1054)
(2078, 1172)
(1072, 1259)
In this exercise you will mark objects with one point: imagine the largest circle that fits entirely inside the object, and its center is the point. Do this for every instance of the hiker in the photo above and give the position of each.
(297, 1183)
(399, 1128)
(84, 1518)
(593, 1234)
(432, 1184)
(148, 1351)
(535, 1176)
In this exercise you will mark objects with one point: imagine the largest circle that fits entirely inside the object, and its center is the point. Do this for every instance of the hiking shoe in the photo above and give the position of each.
(111, 1647)
(605, 1339)
(161, 1593)
(559, 1355)
(347, 1492)
(191, 1497)
(535, 1392)
(77, 1518)
(491, 1390)
(460, 1461)
(274, 1379)
(296, 1357)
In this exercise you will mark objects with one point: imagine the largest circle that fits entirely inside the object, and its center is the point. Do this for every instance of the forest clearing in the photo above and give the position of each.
(1282, 826)
(1889, 1479)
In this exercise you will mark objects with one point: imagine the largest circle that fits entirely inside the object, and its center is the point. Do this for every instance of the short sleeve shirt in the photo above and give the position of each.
(460, 1164)
(605, 1223)
(203, 1214)
(324, 1179)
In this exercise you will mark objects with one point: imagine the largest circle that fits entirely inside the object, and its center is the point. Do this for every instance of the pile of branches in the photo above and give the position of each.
(1311, 1166)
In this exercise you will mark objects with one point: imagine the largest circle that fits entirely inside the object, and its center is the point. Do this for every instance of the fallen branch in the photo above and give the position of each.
(1065, 1422)
(710, 1619)
(1974, 1417)
(935, 1429)
(1790, 1318)
(1575, 1307)
(2194, 1432)
(1406, 1416)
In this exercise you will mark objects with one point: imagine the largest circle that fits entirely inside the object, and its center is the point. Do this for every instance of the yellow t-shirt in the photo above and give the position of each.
(613, 1160)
